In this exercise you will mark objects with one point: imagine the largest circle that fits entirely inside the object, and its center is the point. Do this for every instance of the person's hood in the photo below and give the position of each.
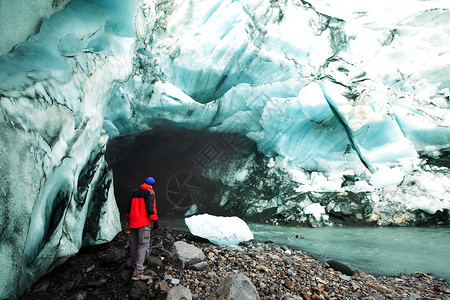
(146, 186)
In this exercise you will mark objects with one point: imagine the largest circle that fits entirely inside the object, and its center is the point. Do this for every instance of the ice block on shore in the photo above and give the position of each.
(222, 231)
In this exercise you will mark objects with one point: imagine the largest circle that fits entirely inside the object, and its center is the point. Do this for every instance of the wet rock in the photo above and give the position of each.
(236, 286)
(179, 293)
(340, 267)
(186, 255)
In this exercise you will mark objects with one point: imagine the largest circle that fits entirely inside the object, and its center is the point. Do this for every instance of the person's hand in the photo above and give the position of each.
(155, 225)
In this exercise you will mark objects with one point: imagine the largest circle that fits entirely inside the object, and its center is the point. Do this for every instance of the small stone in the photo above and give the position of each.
(201, 266)
(164, 287)
(316, 297)
(345, 277)
(67, 285)
(90, 268)
(289, 284)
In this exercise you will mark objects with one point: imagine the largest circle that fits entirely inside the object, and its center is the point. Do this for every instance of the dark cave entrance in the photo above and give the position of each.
(176, 158)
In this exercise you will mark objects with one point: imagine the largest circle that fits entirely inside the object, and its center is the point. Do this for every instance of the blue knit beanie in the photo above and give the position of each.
(150, 180)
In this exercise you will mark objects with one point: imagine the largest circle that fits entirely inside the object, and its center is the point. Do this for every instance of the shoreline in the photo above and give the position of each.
(276, 271)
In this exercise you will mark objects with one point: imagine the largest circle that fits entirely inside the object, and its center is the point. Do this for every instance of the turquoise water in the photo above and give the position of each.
(375, 250)
(378, 251)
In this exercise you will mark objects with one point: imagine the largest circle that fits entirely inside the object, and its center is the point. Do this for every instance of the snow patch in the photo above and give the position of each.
(386, 176)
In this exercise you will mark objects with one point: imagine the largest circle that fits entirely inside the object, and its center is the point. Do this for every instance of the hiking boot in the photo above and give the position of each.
(140, 276)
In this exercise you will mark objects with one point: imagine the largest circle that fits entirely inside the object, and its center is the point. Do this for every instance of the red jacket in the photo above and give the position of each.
(141, 207)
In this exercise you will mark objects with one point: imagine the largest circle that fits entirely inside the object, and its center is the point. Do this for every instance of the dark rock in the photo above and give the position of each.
(67, 285)
(154, 262)
(126, 274)
(179, 293)
(128, 264)
(80, 296)
(98, 283)
(41, 287)
(115, 255)
(138, 290)
(170, 237)
(340, 267)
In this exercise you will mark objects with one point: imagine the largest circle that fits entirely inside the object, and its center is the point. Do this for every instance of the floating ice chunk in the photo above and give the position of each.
(219, 230)
(315, 209)
(386, 176)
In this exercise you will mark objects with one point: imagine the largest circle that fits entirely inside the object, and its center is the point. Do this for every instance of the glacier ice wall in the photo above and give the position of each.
(56, 189)
(346, 101)
(20, 20)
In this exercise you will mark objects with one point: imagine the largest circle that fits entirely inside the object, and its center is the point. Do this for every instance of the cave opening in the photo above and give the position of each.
(176, 158)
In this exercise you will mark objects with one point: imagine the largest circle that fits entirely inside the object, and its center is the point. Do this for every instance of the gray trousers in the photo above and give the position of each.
(139, 244)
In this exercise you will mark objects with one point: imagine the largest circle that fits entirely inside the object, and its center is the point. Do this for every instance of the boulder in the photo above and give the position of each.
(138, 290)
(179, 293)
(186, 255)
(154, 262)
(340, 267)
(236, 286)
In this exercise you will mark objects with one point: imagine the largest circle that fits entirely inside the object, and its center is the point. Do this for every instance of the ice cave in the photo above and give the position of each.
(304, 113)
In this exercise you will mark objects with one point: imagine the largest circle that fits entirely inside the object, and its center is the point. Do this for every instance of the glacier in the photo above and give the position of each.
(334, 112)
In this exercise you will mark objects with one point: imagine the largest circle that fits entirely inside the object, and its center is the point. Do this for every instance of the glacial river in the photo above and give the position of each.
(377, 250)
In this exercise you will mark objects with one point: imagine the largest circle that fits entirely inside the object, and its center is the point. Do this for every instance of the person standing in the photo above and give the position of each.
(140, 210)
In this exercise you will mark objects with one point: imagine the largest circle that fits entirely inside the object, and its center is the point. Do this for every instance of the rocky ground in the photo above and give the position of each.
(277, 272)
